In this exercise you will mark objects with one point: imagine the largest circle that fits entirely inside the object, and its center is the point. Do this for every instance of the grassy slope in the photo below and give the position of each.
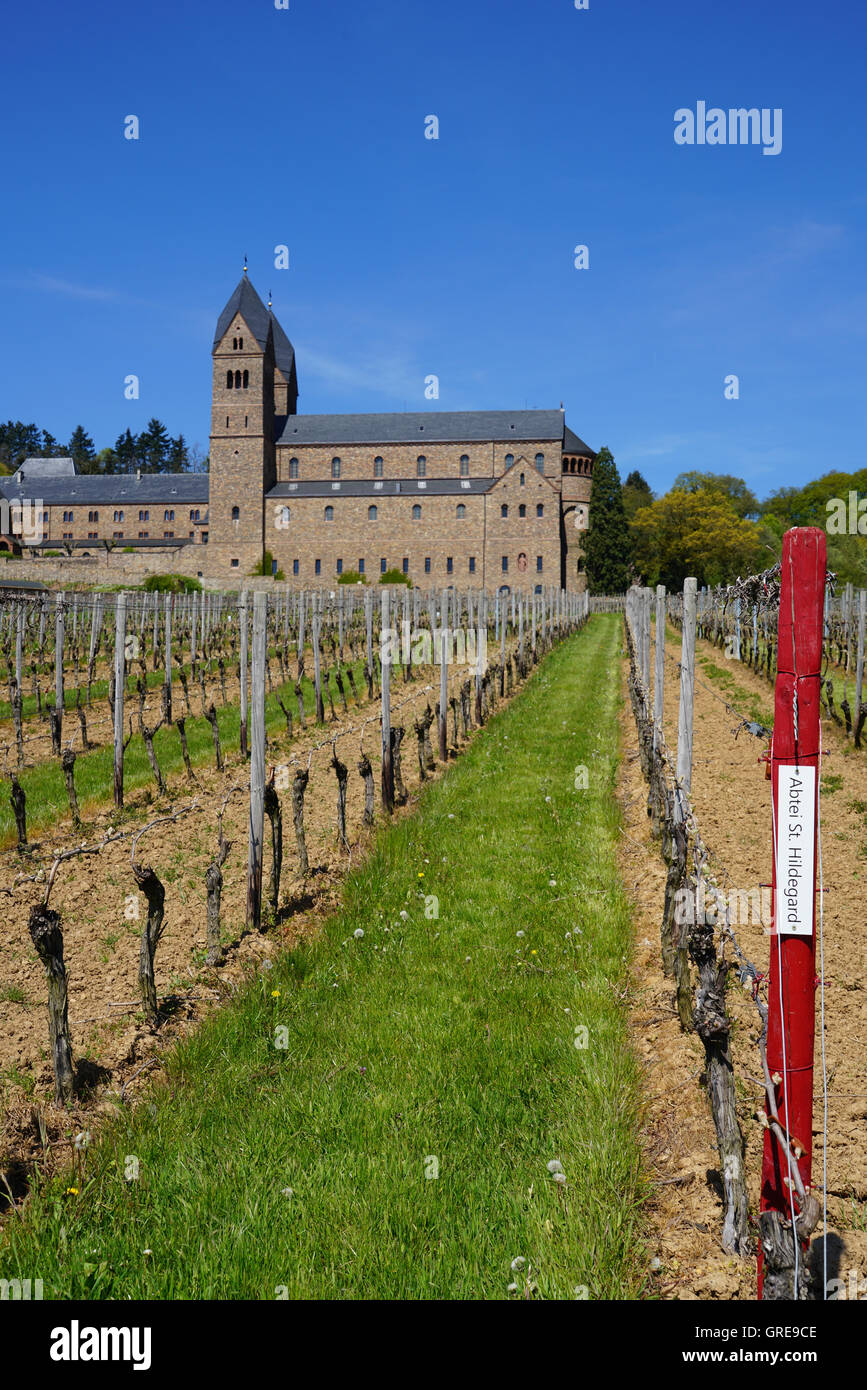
(450, 1038)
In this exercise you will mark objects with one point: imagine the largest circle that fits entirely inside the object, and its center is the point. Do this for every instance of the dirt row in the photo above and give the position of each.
(732, 801)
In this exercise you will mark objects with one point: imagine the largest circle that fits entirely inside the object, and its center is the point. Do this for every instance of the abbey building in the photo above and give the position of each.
(482, 499)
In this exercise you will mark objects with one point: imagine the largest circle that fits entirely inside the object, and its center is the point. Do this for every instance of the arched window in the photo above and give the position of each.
(246, 379)
(522, 510)
(510, 459)
(230, 380)
(237, 381)
(421, 466)
(377, 467)
(416, 512)
(540, 510)
(329, 513)
(504, 510)
(465, 465)
(371, 514)
(335, 468)
(235, 344)
(522, 479)
(461, 511)
(283, 517)
(241, 344)
(293, 468)
(540, 462)
(236, 513)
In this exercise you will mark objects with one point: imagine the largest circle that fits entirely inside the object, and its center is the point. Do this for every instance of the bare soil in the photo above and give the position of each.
(732, 801)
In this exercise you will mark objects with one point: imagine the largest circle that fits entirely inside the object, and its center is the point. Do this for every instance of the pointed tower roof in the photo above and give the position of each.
(284, 354)
(245, 301)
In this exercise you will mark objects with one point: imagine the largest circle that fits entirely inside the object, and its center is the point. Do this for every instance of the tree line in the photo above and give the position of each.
(153, 450)
(712, 526)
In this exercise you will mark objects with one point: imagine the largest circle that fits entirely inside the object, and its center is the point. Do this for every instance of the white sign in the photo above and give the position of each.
(796, 806)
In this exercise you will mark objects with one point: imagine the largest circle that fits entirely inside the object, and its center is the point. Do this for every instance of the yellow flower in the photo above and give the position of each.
(421, 875)
(275, 994)
(532, 953)
(72, 1191)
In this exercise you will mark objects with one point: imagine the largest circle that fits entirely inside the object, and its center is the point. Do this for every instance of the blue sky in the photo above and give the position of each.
(408, 256)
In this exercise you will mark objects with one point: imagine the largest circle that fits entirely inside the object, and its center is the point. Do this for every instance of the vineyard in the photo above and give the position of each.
(542, 986)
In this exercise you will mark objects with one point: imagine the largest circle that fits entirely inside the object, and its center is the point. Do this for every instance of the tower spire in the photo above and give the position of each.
(245, 262)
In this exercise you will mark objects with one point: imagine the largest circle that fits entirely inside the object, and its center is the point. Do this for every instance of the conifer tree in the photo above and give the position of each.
(608, 548)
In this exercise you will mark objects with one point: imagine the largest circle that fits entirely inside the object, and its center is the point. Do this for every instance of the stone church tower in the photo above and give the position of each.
(254, 387)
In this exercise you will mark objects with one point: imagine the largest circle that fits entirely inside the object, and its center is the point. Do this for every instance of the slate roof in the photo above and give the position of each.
(572, 444)
(97, 489)
(46, 468)
(284, 352)
(261, 321)
(431, 426)
(387, 487)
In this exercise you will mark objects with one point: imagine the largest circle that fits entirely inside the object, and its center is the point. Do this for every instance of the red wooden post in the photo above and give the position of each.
(795, 769)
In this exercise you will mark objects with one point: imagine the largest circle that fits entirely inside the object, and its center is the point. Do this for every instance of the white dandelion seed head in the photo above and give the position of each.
(518, 1263)
(358, 933)
(554, 1166)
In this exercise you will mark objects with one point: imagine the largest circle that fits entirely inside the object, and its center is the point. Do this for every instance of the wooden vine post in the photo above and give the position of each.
(257, 763)
(385, 663)
(245, 659)
(795, 753)
(119, 678)
(442, 726)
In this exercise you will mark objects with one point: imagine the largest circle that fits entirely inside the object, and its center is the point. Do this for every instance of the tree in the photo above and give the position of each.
(153, 446)
(126, 452)
(735, 489)
(18, 442)
(177, 458)
(608, 547)
(81, 449)
(695, 533)
(636, 493)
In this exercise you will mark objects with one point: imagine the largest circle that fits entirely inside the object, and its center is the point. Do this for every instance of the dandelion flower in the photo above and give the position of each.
(358, 933)
(518, 1263)
(555, 1166)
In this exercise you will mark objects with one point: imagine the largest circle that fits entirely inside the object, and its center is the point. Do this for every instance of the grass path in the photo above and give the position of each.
(426, 1072)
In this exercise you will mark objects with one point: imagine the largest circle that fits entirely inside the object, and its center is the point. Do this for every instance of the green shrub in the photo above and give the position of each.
(395, 577)
(171, 584)
(351, 577)
(264, 568)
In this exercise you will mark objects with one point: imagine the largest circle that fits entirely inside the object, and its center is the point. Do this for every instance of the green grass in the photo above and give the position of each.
(431, 1044)
(45, 787)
